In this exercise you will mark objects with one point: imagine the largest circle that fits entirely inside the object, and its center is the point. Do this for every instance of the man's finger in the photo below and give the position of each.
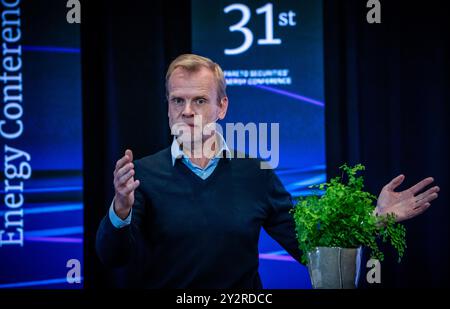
(123, 170)
(426, 199)
(129, 153)
(430, 197)
(124, 178)
(395, 182)
(421, 209)
(124, 160)
(131, 187)
(126, 187)
(420, 185)
(421, 196)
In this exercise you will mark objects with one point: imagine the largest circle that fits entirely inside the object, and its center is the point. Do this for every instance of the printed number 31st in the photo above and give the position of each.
(284, 19)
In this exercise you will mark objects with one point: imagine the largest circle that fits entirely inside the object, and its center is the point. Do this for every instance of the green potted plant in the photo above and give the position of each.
(335, 224)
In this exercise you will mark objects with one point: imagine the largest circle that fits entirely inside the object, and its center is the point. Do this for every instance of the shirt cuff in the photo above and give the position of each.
(115, 220)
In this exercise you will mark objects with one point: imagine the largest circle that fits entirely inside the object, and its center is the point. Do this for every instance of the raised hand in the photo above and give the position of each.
(408, 203)
(124, 185)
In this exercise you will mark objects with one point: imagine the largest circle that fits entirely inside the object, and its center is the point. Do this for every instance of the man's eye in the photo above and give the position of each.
(200, 101)
(177, 101)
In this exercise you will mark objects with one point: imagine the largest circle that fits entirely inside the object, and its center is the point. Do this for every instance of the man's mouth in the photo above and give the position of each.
(191, 125)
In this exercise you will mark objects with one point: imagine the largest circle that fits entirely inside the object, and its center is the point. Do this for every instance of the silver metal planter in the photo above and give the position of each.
(334, 268)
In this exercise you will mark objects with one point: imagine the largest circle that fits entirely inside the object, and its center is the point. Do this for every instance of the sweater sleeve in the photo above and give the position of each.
(280, 223)
(114, 245)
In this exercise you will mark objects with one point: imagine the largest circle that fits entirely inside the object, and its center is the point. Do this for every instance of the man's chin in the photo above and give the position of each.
(189, 140)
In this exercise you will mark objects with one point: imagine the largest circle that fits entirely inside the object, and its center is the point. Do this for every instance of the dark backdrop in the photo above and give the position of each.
(387, 96)
(386, 107)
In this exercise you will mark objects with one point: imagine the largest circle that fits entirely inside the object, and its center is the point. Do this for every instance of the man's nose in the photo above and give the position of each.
(188, 111)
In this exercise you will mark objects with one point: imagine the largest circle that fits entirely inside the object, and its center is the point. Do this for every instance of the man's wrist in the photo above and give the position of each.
(121, 212)
(116, 220)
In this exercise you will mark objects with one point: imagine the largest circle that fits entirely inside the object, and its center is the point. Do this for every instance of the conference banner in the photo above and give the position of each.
(41, 208)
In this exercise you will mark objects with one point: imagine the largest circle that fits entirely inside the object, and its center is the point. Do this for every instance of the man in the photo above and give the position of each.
(192, 218)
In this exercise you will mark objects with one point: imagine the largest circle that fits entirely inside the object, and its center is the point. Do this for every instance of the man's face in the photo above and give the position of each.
(193, 94)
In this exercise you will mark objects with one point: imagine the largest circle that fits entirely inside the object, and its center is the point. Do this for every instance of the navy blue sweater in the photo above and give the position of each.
(186, 232)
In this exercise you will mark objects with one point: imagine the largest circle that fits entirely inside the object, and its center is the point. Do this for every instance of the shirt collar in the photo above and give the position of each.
(177, 153)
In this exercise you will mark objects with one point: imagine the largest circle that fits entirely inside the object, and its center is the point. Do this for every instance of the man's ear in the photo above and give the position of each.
(223, 107)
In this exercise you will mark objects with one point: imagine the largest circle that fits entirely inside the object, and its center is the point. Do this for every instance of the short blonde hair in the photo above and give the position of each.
(193, 63)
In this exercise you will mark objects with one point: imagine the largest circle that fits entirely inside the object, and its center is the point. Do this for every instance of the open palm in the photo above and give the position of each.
(408, 203)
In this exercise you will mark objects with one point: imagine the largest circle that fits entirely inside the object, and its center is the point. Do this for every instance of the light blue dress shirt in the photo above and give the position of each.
(177, 153)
